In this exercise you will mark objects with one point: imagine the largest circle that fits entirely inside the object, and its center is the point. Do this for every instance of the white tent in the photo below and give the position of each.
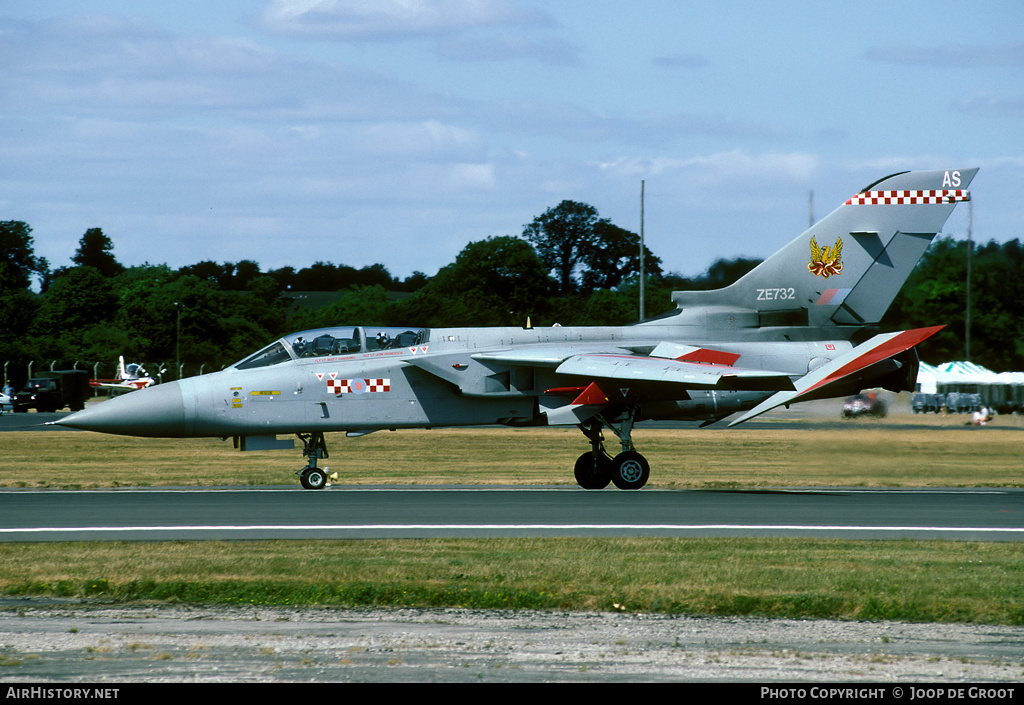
(926, 379)
(965, 373)
(930, 378)
(955, 380)
(1014, 378)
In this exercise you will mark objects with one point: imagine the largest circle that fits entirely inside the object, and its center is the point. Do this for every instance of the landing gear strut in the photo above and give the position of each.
(314, 447)
(628, 470)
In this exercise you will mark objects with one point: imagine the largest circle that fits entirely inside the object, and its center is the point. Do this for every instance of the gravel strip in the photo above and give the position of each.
(44, 641)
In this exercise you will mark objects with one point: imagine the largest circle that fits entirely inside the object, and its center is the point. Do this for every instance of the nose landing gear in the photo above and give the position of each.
(314, 447)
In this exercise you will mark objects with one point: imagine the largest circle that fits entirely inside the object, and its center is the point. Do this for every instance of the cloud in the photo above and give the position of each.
(723, 166)
(570, 121)
(391, 19)
(950, 55)
(550, 51)
(127, 70)
(987, 103)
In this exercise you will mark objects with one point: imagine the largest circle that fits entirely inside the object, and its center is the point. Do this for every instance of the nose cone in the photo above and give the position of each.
(156, 412)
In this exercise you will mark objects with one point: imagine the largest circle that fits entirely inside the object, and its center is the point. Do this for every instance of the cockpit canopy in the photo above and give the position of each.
(328, 342)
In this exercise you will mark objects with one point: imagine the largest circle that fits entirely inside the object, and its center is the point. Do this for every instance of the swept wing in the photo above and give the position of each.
(881, 351)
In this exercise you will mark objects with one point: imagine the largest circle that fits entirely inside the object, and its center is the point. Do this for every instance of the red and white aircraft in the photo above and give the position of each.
(129, 378)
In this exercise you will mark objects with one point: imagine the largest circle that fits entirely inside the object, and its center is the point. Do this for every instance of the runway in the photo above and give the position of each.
(463, 512)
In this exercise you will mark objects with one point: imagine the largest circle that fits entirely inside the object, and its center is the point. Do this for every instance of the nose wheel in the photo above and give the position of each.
(314, 447)
(312, 478)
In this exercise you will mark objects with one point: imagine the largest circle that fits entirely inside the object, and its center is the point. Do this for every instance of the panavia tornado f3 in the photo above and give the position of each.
(797, 327)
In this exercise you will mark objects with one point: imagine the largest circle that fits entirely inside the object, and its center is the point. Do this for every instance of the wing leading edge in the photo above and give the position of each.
(693, 375)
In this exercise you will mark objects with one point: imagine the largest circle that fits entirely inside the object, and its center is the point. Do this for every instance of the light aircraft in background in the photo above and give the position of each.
(130, 378)
(799, 326)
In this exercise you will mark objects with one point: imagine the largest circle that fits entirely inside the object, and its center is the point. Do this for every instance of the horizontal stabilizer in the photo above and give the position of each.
(815, 384)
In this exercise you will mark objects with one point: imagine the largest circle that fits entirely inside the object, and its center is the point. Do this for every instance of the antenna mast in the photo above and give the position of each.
(970, 246)
(642, 312)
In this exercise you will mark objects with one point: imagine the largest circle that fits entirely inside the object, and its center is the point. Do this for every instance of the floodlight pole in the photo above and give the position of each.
(642, 311)
(970, 246)
(177, 336)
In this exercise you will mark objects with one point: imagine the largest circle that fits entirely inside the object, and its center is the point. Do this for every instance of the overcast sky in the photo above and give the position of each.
(397, 131)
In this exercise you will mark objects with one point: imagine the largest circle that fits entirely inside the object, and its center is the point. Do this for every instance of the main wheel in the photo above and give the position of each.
(593, 473)
(313, 479)
(630, 470)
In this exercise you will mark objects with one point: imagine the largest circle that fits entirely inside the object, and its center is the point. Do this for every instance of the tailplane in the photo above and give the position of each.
(845, 271)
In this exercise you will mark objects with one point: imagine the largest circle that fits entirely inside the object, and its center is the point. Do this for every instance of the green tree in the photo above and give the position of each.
(498, 281)
(721, 273)
(584, 251)
(361, 306)
(613, 255)
(564, 239)
(18, 261)
(96, 250)
(81, 297)
(936, 294)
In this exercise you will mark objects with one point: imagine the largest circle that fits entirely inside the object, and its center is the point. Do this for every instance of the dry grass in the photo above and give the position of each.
(926, 451)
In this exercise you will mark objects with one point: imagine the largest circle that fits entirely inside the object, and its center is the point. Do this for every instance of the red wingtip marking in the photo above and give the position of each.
(897, 344)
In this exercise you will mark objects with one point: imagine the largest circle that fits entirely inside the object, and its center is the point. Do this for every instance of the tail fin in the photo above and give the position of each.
(848, 267)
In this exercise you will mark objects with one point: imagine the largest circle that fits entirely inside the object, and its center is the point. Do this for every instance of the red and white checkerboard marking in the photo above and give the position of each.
(355, 386)
(358, 386)
(909, 198)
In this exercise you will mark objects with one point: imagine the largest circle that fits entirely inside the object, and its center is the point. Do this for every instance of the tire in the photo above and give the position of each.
(593, 473)
(630, 470)
(313, 479)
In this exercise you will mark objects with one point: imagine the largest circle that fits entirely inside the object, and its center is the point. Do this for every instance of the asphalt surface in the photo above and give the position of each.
(421, 512)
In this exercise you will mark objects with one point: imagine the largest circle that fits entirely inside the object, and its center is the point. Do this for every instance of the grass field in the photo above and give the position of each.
(911, 451)
(912, 580)
(905, 580)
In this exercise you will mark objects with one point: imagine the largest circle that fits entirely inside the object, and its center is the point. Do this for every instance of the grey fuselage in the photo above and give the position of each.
(449, 377)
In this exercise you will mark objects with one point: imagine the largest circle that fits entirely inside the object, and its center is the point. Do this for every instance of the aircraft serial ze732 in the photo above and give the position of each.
(795, 328)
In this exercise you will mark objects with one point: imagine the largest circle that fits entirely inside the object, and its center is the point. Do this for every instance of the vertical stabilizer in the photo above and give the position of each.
(847, 268)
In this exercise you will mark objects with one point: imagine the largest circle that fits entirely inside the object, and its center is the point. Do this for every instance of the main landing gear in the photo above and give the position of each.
(594, 470)
(314, 447)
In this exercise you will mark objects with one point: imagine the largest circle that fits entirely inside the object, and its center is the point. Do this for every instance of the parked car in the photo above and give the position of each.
(863, 405)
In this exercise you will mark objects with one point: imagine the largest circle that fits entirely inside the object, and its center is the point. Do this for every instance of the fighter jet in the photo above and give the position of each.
(799, 326)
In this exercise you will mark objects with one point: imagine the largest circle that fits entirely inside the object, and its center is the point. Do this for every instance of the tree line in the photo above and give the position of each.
(208, 315)
(569, 266)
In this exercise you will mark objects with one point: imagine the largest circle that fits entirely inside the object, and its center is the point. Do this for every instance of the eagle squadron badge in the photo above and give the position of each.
(826, 261)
